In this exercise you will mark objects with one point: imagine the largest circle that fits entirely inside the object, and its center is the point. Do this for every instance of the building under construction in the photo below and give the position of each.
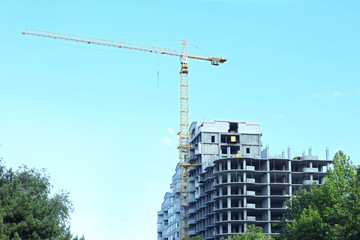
(233, 182)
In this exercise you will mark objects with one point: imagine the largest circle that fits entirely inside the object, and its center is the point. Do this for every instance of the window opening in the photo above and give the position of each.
(233, 128)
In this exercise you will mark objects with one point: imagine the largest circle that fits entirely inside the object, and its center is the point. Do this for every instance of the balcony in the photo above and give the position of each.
(177, 208)
(250, 180)
(250, 193)
(251, 205)
(250, 168)
(305, 170)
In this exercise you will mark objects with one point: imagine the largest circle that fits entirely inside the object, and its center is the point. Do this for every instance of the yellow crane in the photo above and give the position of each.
(184, 134)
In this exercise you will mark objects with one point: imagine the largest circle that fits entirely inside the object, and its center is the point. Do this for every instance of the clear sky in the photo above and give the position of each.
(104, 128)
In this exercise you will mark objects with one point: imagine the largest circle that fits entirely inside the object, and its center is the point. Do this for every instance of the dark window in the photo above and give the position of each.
(212, 139)
(233, 128)
(223, 138)
(234, 149)
(247, 150)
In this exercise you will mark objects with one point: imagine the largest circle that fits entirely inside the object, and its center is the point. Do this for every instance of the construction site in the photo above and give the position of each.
(233, 182)
(224, 179)
(184, 120)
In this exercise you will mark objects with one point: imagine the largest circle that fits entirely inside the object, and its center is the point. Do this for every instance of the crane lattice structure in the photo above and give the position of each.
(184, 134)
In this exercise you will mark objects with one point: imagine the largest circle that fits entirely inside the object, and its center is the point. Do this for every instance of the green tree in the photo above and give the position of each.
(253, 232)
(193, 238)
(27, 209)
(329, 211)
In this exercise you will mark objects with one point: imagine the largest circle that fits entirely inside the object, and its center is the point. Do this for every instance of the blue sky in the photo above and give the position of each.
(99, 122)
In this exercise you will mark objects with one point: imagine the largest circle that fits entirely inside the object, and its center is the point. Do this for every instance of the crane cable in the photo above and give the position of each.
(158, 70)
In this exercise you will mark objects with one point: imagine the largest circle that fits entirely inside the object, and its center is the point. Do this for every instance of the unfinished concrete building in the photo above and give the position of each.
(235, 183)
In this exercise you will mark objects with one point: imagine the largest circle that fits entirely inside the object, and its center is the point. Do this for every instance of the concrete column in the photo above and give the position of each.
(229, 227)
(327, 153)
(289, 152)
(228, 152)
(220, 207)
(220, 166)
(268, 173)
(229, 189)
(310, 164)
(228, 164)
(220, 192)
(267, 151)
(220, 153)
(228, 175)
(311, 176)
(290, 179)
(228, 202)
(289, 166)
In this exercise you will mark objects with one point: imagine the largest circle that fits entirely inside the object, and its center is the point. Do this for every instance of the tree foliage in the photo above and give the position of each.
(329, 211)
(253, 232)
(27, 209)
(193, 238)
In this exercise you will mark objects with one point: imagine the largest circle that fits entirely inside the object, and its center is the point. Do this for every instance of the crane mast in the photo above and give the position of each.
(184, 134)
(184, 144)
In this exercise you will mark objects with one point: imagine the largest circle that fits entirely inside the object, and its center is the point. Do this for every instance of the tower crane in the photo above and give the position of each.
(184, 134)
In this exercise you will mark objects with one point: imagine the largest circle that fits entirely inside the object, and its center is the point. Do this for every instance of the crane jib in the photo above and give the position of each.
(109, 43)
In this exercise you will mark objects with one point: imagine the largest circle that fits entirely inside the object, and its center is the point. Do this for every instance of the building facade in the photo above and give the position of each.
(235, 183)
(169, 216)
